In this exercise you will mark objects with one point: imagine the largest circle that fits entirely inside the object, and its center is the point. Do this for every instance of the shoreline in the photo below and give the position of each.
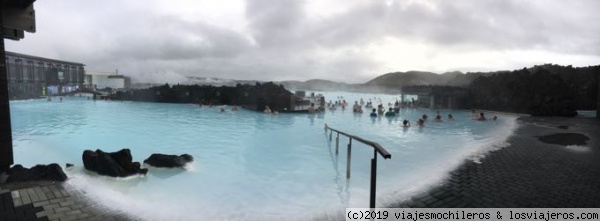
(526, 173)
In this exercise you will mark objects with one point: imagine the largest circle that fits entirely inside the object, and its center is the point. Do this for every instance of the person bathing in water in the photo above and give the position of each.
(438, 117)
(405, 123)
(267, 110)
(481, 117)
(421, 122)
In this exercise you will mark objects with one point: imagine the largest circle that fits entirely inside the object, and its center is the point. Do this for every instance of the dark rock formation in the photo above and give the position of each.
(51, 172)
(116, 164)
(254, 97)
(565, 139)
(69, 165)
(170, 161)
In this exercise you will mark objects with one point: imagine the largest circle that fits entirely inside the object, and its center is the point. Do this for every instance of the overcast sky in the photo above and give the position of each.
(349, 41)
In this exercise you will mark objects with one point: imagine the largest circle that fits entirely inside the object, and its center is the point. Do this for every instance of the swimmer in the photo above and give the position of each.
(312, 108)
(405, 123)
(481, 117)
(474, 115)
(390, 113)
(374, 114)
(421, 122)
(267, 110)
(438, 117)
(380, 109)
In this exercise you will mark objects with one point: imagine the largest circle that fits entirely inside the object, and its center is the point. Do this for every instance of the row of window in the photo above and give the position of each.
(26, 88)
(29, 70)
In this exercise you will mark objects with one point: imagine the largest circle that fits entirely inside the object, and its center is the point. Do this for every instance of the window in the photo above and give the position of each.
(18, 68)
(25, 71)
(30, 70)
(12, 69)
(40, 72)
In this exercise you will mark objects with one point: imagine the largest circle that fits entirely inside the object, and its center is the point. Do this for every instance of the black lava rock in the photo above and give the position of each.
(51, 172)
(169, 161)
(116, 164)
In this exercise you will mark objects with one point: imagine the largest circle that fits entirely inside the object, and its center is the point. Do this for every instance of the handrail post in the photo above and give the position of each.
(373, 179)
(349, 159)
(377, 149)
(337, 144)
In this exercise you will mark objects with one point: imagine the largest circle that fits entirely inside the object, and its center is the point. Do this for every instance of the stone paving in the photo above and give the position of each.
(51, 201)
(528, 173)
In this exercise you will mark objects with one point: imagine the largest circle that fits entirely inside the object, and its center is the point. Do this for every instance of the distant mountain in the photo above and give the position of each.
(390, 82)
(411, 78)
(404, 78)
(316, 84)
(216, 81)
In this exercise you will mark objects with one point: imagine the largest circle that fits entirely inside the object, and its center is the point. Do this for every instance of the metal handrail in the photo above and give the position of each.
(382, 151)
(376, 149)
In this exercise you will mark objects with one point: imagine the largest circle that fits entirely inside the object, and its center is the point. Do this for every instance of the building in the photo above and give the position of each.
(31, 76)
(106, 80)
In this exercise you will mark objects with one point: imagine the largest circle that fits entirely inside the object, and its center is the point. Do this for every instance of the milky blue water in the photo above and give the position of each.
(248, 165)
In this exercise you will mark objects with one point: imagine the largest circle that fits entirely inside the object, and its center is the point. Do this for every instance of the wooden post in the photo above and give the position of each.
(6, 148)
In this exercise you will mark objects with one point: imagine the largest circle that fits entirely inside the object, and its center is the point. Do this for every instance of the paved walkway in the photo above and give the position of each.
(50, 201)
(528, 173)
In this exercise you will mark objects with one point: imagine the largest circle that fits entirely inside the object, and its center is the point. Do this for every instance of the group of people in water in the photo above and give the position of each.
(394, 111)
(421, 121)
(222, 109)
(49, 99)
(358, 107)
(376, 112)
(233, 108)
(438, 118)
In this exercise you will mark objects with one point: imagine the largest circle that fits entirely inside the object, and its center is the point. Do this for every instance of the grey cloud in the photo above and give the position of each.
(174, 39)
(275, 23)
(485, 24)
(281, 41)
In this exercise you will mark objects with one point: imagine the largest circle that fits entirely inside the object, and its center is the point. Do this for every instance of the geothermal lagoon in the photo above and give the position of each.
(248, 165)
